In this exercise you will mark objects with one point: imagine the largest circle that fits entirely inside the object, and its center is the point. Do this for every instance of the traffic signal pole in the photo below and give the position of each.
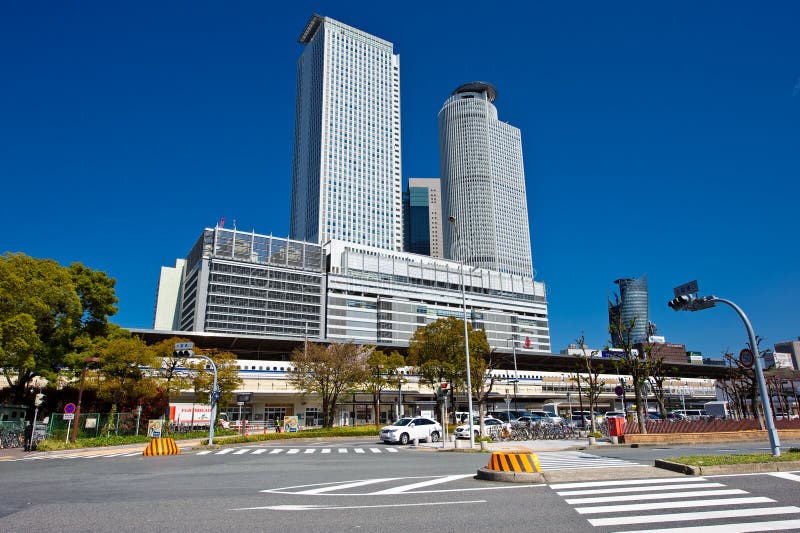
(180, 351)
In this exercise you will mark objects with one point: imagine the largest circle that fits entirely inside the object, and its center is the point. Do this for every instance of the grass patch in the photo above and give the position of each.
(749, 458)
(347, 431)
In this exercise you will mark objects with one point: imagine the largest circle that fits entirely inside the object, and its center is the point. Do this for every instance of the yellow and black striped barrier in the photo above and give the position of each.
(162, 446)
(514, 462)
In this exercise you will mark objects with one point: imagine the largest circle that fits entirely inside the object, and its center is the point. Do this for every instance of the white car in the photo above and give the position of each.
(462, 432)
(407, 429)
(549, 417)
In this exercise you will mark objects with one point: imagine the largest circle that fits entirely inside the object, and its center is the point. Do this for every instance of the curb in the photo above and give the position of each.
(745, 468)
(510, 477)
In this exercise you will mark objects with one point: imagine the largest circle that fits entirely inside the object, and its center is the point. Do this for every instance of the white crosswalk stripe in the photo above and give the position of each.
(295, 451)
(579, 460)
(679, 499)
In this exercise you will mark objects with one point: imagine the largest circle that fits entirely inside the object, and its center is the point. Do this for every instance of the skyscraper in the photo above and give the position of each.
(483, 184)
(346, 180)
(631, 308)
(422, 216)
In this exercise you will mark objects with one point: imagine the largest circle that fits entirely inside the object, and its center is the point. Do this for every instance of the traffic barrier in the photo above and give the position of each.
(162, 446)
(514, 462)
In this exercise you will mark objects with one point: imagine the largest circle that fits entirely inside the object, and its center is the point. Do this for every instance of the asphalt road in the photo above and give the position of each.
(371, 491)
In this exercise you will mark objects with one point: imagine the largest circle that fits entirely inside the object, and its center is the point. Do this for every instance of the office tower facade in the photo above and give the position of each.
(483, 184)
(630, 308)
(346, 181)
(422, 216)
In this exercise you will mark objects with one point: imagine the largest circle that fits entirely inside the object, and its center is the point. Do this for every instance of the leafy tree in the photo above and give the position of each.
(383, 369)
(437, 351)
(228, 379)
(328, 371)
(122, 359)
(173, 370)
(483, 379)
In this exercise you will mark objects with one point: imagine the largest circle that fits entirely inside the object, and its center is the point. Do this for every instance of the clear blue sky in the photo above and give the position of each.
(658, 138)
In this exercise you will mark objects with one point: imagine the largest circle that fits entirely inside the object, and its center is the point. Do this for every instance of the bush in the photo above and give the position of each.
(596, 434)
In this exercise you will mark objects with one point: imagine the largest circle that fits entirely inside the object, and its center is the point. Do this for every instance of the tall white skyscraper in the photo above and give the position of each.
(483, 184)
(346, 181)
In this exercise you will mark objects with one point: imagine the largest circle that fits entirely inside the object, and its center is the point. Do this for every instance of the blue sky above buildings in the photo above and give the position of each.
(658, 139)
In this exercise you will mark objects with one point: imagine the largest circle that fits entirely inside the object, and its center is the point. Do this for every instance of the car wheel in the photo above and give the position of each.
(435, 436)
(404, 438)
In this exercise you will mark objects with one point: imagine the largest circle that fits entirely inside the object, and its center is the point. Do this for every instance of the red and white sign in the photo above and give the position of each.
(186, 414)
(69, 408)
(746, 358)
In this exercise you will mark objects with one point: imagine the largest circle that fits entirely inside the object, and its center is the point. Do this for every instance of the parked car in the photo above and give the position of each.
(614, 414)
(527, 420)
(548, 417)
(690, 414)
(507, 416)
(408, 429)
(462, 432)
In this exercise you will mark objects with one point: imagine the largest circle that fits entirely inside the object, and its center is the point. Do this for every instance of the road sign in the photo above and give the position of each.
(686, 288)
(184, 345)
(746, 358)
(69, 408)
(69, 416)
(618, 390)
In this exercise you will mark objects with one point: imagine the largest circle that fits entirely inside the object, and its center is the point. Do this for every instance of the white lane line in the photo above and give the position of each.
(342, 450)
(702, 515)
(293, 451)
(622, 482)
(259, 451)
(404, 488)
(204, 452)
(310, 450)
(640, 489)
(114, 455)
(359, 450)
(223, 452)
(778, 525)
(326, 450)
(276, 450)
(242, 451)
(132, 454)
(327, 507)
(635, 497)
(786, 475)
(343, 486)
(671, 505)
(391, 450)
(375, 450)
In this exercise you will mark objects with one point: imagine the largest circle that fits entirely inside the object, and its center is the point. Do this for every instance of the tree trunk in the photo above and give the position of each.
(640, 411)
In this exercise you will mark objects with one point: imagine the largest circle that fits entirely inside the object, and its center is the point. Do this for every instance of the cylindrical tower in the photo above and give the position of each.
(633, 297)
(483, 183)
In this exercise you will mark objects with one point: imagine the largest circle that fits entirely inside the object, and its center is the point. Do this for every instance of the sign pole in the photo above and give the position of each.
(69, 426)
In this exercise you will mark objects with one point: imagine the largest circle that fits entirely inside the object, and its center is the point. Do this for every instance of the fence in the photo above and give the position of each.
(91, 425)
(12, 434)
(703, 426)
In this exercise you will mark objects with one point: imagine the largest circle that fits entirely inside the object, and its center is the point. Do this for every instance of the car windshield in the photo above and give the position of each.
(403, 422)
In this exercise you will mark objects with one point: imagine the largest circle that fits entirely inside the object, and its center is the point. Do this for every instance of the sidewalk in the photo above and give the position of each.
(522, 445)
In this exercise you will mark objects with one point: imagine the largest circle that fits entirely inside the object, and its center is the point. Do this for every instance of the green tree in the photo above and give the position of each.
(383, 369)
(328, 371)
(482, 377)
(173, 370)
(228, 379)
(123, 359)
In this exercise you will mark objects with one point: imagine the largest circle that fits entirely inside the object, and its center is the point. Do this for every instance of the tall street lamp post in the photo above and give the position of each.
(516, 376)
(80, 397)
(452, 221)
(688, 301)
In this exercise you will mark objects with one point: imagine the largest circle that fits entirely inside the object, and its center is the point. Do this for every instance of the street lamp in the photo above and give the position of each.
(690, 302)
(86, 362)
(452, 221)
(516, 376)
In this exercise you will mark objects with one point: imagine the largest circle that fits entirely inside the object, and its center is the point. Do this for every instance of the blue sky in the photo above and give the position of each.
(659, 139)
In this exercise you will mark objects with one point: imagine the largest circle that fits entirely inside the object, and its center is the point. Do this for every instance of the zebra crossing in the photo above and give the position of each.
(578, 460)
(700, 504)
(81, 455)
(297, 451)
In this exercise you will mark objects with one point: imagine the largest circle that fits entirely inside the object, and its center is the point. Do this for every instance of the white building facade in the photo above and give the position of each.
(483, 184)
(346, 181)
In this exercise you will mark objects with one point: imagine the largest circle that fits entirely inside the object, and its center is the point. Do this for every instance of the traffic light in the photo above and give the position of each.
(441, 390)
(681, 302)
(39, 400)
(183, 353)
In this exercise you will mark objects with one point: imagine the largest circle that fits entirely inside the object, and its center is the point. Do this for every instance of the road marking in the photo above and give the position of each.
(650, 488)
(575, 460)
(342, 486)
(332, 507)
(786, 475)
(375, 450)
(342, 450)
(673, 495)
(259, 451)
(326, 450)
(622, 482)
(359, 450)
(132, 454)
(310, 450)
(778, 525)
(242, 451)
(391, 450)
(671, 505)
(204, 452)
(293, 451)
(276, 450)
(703, 515)
(404, 488)
(223, 452)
